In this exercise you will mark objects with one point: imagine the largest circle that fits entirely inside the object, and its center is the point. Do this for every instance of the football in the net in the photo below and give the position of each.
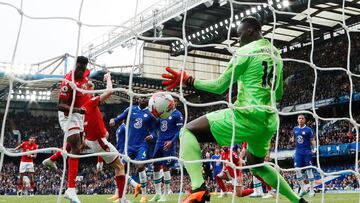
(161, 105)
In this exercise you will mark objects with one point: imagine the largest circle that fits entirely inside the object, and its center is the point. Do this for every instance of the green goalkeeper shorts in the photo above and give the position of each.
(254, 126)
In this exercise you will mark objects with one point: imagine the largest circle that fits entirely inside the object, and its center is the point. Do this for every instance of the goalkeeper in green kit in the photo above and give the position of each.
(254, 125)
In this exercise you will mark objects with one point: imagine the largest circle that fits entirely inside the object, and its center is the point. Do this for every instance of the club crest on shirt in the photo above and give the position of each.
(64, 89)
(138, 123)
(299, 139)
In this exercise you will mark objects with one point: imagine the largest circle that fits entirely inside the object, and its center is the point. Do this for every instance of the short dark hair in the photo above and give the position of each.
(303, 115)
(82, 60)
(252, 22)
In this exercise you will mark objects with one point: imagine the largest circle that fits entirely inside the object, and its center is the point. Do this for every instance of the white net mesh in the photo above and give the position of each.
(129, 91)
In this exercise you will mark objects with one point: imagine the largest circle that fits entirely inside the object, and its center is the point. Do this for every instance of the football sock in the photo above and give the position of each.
(157, 182)
(120, 183)
(190, 150)
(257, 185)
(167, 181)
(20, 186)
(143, 181)
(32, 185)
(221, 184)
(310, 178)
(268, 187)
(73, 171)
(300, 179)
(132, 182)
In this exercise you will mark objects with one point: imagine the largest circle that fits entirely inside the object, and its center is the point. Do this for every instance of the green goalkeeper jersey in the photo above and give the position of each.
(254, 75)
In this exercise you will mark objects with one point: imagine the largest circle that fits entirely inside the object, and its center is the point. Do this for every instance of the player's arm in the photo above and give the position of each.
(18, 147)
(179, 125)
(153, 132)
(65, 96)
(105, 95)
(217, 86)
(221, 84)
(292, 137)
(119, 118)
(313, 142)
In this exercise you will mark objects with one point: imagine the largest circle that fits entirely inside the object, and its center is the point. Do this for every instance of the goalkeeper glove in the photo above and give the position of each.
(172, 80)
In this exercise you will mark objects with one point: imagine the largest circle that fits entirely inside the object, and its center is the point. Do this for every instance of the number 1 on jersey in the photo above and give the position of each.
(266, 78)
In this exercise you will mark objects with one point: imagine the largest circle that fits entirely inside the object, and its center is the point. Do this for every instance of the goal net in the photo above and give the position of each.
(274, 8)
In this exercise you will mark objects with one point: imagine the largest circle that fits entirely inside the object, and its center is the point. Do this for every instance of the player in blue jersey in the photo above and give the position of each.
(216, 166)
(168, 133)
(305, 146)
(120, 138)
(142, 125)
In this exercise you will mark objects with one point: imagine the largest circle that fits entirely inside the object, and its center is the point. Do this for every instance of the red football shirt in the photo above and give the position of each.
(244, 145)
(26, 146)
(236, 160)
(66, 92)
(94, 124)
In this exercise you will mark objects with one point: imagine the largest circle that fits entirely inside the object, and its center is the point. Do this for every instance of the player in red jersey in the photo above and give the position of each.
(228, 173)
(27, 164)
(96, 133)
(72, 128)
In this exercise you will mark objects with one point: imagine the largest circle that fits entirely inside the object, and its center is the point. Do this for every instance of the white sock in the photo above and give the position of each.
(143, 181)
(132, 182)
(167, 181)
(157, 182)
(258, 185)
(310, 175)
(116, 192)
(300, 180)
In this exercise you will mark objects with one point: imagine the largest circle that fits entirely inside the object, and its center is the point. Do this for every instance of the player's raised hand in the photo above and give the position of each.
(148, 138)
(167, 145)
(107, 76)
(172, 79)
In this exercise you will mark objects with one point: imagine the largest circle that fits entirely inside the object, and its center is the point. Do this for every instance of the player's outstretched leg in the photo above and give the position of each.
(190, 150)
(271, 176)
(51, 161)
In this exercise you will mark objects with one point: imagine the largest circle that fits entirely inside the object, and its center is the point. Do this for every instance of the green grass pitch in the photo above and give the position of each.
(348, 198)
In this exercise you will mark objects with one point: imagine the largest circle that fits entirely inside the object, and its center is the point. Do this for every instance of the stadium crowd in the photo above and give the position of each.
(299, 77)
